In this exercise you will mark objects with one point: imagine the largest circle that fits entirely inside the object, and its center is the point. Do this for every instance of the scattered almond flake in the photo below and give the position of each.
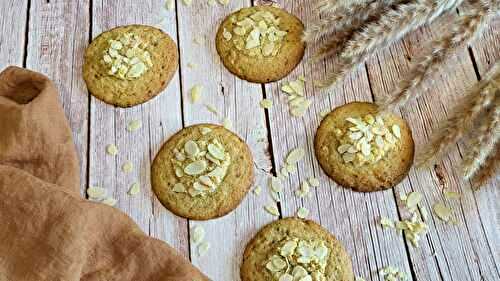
(169, 5)
(294, 156)
(391, 273)
(187, 2)
(275, 196)
(110, 201)
(111, 149)
(203, 249)
(413, 200)
(227, 123)
(135, 188)
(413, 229)
(179, 188)
(224, 2)
(257, 190)
(134, 125)
(403, 196)
(127, 167)
(198, 40)
(385, 222)
(302, 213)
(96, 192)
(452, 195)
(266, 103)
(442, 212)
(275, 184)
(212, 109)
(198, 234)
(195, 93)
(273, 210)
(424, 213)
(212, 2)
(284, 172)
(314, 182)
(359, 279)
(291, 168)
(324, 113)
(192, 65)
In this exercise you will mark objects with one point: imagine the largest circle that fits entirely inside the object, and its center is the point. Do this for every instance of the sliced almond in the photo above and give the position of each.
(257, 190)
(302, 213)
(134, 189)
(203, 248)
(443, 213)
(179, 188)
(227, 124)
(452, 195)
(396, 130)
(111, 149)
(266, 103)
(134, 125)
(286, 277)
(109, 201)
(273, 210)
(294, 156)
(169, 5)
(413, 199)
(216, 152)
(195, 93)
(275, 184)
(96, 192)
(196, 167)
(385, 222)
(198, 234)
(191, 148)
(314, 182)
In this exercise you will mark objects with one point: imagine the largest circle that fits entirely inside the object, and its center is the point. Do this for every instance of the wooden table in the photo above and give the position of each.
(51, 36)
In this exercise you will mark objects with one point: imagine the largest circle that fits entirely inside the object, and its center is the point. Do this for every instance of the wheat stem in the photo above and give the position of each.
(478, 99)
(489, 169)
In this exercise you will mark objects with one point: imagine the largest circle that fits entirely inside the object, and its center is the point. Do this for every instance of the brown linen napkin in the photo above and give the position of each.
(48, 231)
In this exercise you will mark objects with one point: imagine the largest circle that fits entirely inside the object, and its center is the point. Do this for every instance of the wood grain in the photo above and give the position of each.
(51, 36)
(450, 252)
(160, 117)
(238, 101)
(58, 35)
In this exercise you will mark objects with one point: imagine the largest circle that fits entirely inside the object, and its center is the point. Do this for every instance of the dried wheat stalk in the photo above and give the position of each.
(477, 100)
(390, 27)
(464, 30)
(331, 6)
(484, 142)
(490, 168)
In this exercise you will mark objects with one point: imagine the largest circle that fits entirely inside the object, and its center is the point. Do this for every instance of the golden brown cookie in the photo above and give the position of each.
(202, 172)
(260, 44)
(129, 65)
(309, 249)
(364, 151)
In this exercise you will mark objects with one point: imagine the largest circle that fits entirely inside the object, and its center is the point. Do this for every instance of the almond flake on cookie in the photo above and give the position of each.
(127, 57)
(367, 140)
(299, 260)
(200, 165)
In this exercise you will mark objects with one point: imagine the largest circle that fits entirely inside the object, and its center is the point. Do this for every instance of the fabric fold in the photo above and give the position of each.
(49, 232)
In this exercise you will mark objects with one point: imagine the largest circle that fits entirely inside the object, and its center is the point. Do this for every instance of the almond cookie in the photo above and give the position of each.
(202, 172)
(363, 150)
(129, 65)
(294, 249)
(260, 44)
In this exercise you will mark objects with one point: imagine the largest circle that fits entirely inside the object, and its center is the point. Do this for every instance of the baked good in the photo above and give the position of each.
(202, 172)
(260, 44)
(363, 150)
(294, 249)
(129, 65)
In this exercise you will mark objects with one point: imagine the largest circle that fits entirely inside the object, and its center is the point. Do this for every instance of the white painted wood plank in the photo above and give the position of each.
(58, 35)
(460, 251)
(238, 101)
(352, 217)
(160, 117)
(12, 32)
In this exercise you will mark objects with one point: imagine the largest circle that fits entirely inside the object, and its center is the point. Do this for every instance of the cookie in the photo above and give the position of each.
(260, 44)
(363, 150)
(202, 172)
(129, 65)
(295, 249)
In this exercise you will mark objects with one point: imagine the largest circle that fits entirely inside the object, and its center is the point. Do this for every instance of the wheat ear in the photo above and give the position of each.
(484, 143)
(391, 27)
(490, 168)
(464, 30)
(347, 17)
(332, 6)
(396, 24)
(479, 97)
